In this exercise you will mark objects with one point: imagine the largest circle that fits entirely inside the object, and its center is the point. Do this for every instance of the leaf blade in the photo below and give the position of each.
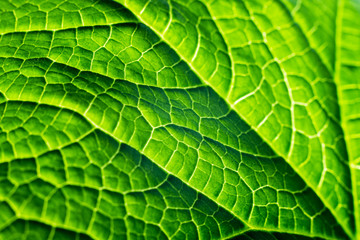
(302, 121)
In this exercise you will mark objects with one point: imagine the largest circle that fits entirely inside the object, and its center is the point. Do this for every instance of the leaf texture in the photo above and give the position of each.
(347, 79)
(179, 119)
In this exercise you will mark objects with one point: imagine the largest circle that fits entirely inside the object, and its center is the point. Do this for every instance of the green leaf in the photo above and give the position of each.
(347, 79)
(190, 119)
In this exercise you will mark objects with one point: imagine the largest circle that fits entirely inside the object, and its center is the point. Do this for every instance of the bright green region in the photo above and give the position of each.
(277, 74)
(195, 119)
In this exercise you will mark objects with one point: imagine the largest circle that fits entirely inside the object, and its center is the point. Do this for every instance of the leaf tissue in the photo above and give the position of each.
(179, 119)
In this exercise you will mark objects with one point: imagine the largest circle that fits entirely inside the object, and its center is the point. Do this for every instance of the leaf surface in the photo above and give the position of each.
(347, 79)
(178, 119)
